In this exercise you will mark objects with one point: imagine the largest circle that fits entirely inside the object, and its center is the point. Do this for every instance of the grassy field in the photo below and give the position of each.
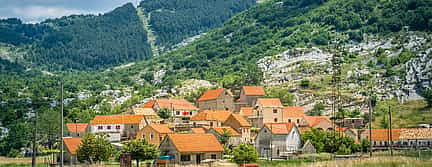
(404, 115)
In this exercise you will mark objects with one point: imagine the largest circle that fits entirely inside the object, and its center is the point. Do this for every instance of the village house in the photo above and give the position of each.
(76, 129)
(71, 145)
(235, 138)
(268, 110)
(278, 140)
(249, 96)
(294, 114)
(249, 114)
(154, 133)
(181, 109)
(149, 114)
(405, 138)
(319, 122)
(380, 137)
(211, 118)
(217, 99)
(187, 152)
(354, 123)
(117, 127)
(239, 124)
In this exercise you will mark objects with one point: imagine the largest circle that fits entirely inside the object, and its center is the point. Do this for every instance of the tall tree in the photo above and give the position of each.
(94, 149)
(140, 150)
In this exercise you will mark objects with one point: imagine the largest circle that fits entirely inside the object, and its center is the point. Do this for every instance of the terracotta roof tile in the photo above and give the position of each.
(212, 115)
(72, 143)
(193, 142)
(247, 111)
(313, 120)
(416, 133)
(220, 130)
(280, 128)
(241, 120)
(211, 94)
(177, 104)
(383, 134)
(293, 112)
(117, 119)
(144, 111)
(269, 102)
(76, 127)
(149, 104)
(161, 128)
(254, 90)
(198, 130)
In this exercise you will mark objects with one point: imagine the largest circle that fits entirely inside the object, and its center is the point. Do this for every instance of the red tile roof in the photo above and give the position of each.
(232, 132)
(212, 115)
(72, 143)
(241, 120)
(280, 128)
(293, 112)
(313, 120)
(117, 119)
(254, 90)
(193, 142)
(76, 127)
(383, 134)
(161, 128)
(211, 94)
(177, 104)
(416, 133)
(270, 102)
(198, 130)
(149, 104)
(246, 111)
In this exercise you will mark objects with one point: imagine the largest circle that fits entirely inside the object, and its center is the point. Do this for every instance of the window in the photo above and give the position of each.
(352, 121)
(151, 136)
(190, 113)
(289, 120)
(177, 112)
(275, 120)
(131, 126)
(185, 158)
(213, 156)
(211, 123)
(275, 110)
(143, 136)
(117, 126)
(100, 127)
(298, 121)
(108, 127)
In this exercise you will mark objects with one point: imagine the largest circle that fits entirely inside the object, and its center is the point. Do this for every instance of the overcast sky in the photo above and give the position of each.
(38, 10)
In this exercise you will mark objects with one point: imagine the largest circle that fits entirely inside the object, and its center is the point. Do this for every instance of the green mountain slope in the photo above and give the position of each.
(175, 20)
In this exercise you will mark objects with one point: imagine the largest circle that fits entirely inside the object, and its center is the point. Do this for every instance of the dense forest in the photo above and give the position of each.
(174, 20)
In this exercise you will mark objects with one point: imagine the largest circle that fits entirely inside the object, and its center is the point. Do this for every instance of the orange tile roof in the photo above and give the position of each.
(220, 130)
(116, 119)
(194, 142)
(72, 143)
(270, 102)
(241, 120)
(212, 115)
(383, 134)
(177, 104)
(280, 128)
(198, 130)
(293, 112)
(211, 94)
(144, 111)
(247, 111)
(76, 127)
(161, 128)
(416, 133)
(149, 104)
(254, 90)
(313, 120)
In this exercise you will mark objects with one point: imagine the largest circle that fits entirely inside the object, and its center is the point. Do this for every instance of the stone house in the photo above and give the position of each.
(249, 96)
(250, 114)
(154, 133)
(404, 138)
(76, 129)
(117, 127)
(294, 114)
(278, 140)
(211, 118)
(268, 110)
(181, 109)
(319, 122)
(217, 99)
(187, 152)
(235, 137)
(71, 145)
(354, 123)
(239, 124)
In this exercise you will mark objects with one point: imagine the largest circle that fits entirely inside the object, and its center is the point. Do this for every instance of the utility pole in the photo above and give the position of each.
(34, 139)
(271, 141)
(62, 127)
(370, 127)
(391, 132)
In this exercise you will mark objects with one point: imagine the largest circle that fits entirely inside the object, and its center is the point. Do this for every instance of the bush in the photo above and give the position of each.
(245, 154)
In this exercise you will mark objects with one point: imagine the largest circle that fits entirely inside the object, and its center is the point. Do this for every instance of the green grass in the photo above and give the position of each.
(406, 115)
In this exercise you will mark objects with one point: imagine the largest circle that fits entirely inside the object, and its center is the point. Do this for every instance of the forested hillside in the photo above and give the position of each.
(175, 20)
